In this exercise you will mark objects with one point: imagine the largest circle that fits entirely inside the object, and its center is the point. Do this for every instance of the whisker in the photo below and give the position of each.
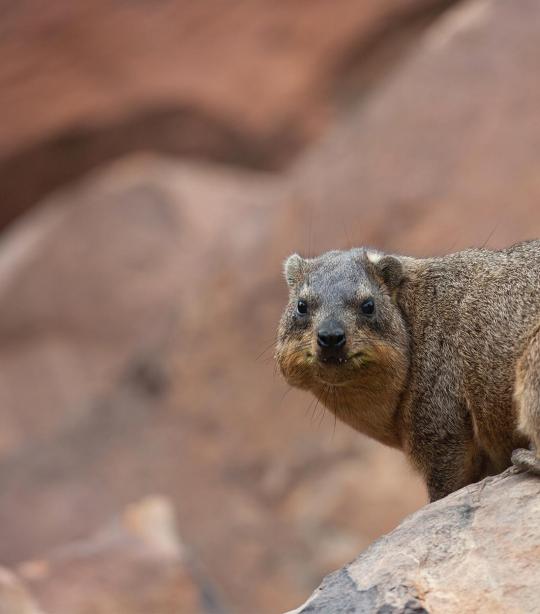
(314, 414)
(325, 404)
(289, 388)
(490, 234)
(347, 238)
(268, 347)
(312, 400)
(310, 232)
(335, 402)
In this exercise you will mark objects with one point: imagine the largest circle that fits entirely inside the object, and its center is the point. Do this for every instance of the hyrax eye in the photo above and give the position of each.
(368, 307)
(301, 308)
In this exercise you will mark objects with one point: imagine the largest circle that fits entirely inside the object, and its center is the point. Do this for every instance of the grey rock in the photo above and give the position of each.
(474, 551)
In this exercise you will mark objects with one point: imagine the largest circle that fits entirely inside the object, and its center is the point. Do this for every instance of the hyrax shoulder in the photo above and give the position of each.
(435, 356)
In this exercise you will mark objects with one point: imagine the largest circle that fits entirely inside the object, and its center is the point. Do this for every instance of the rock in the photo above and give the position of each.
(91, 81)
(135, 564)
(14, 597)
(464, 553)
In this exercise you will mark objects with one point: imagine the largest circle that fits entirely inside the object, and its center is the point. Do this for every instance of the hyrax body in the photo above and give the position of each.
(439, 357)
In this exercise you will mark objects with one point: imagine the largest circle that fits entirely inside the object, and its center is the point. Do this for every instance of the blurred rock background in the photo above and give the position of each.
(158, 161)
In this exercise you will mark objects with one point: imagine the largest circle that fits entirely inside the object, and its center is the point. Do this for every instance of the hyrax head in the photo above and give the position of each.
(342, 326)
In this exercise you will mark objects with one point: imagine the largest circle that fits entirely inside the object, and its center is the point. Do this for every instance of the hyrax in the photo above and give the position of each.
(439, 357)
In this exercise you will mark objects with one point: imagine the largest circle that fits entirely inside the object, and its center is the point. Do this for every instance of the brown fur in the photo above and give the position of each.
(448, 367)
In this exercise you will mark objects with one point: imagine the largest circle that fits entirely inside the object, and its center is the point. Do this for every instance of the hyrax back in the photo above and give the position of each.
(439, 356)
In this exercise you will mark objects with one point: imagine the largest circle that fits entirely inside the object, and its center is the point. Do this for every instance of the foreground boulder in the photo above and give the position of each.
(474, 551)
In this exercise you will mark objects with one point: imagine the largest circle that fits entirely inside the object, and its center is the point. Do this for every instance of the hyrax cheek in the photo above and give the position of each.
(291, 357)
(310, 358)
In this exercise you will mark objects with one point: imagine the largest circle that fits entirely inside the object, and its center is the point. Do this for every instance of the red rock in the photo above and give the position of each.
(444, 154)
(14, 597)
(134, 565)
(247, 82)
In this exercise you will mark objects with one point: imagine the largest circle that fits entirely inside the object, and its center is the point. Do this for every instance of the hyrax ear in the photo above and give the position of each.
(390, 270)
(293, 269)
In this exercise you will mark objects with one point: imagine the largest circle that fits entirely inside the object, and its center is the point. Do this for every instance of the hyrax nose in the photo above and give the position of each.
(331, 335)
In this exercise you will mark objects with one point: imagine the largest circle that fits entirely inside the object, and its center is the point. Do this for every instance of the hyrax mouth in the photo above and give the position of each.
(306, 367)
(339, 371)
(339, 359)
(332, 359)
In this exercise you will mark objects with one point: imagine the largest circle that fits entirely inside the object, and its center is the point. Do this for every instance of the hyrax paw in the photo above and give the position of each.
(526, 460)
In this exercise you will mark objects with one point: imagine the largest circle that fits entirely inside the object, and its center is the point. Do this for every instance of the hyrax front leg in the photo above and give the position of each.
(527, 400)
(453, 467)
(447, 463)
(441, 444)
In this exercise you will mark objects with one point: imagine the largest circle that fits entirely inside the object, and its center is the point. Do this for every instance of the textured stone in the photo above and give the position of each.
(464, 553)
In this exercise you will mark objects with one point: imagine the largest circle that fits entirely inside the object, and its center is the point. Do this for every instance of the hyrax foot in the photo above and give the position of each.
(526, 460)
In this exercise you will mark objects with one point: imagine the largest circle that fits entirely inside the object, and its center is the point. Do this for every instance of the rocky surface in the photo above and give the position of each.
(464, 553)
